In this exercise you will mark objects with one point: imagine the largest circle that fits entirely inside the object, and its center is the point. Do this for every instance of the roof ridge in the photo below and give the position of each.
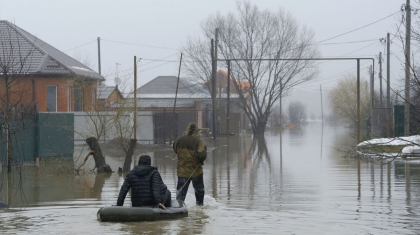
(138, 89)
(66, 62)
(55, 49)
(17, 29)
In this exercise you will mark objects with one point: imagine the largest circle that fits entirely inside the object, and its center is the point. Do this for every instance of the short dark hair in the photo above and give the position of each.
(145, 160)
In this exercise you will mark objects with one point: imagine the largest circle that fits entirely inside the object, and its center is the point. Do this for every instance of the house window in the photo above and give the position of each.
(78, 99)
(51, 98)
(70, 98)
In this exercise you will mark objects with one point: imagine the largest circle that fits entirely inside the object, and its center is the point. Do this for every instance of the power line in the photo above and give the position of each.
(334, 43)
(145, 64)
(358, 28)
(80, 45)
(142, 45)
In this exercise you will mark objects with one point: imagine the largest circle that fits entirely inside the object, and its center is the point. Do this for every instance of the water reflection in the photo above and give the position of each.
(260, 185)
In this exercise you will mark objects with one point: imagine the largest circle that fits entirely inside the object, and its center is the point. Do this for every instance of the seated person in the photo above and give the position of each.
(147, 187)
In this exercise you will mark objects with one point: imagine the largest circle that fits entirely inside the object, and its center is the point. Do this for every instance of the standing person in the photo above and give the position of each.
(368, 125)
(191, 153)
(147, 187)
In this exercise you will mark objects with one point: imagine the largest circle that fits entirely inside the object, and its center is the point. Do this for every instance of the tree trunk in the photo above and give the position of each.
(260, 128)
(129, 155)
(100, 163)
(9, 149)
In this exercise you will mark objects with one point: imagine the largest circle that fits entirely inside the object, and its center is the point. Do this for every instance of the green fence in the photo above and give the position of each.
(47, 135)
(399, 121)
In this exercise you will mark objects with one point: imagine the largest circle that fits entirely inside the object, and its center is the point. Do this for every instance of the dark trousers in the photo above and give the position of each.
(167, 199)
(198, 184)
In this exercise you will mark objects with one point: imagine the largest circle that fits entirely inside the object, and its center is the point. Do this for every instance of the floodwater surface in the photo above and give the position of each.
(252, 187)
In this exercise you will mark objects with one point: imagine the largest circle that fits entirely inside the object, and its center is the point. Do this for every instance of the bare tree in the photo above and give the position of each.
(255, 34)
(297, 112)
(343, 100)
(16, 71)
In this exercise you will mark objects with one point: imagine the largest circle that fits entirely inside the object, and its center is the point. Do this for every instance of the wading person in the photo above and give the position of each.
(147, 187)
(191, 153)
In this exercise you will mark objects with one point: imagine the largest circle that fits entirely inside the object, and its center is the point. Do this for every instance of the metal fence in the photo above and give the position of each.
(36, 135)
(153, 127)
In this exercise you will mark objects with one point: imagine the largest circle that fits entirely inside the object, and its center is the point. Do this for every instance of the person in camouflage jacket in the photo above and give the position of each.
(192, 153)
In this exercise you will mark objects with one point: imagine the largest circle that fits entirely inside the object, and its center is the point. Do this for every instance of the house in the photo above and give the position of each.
(221, 84)
(40, 88)
(107, 97)
(40, 73)
(193, 104)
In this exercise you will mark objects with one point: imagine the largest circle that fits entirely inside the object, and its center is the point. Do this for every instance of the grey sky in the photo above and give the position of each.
(163, 23)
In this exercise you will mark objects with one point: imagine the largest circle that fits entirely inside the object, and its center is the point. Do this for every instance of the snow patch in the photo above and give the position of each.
(80, 68)
(406, 140)
(411, 150)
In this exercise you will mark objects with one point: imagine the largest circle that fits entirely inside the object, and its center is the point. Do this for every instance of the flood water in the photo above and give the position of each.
(251, 188)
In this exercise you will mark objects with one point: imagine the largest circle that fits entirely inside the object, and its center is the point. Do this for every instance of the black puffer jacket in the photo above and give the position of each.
(147, 187)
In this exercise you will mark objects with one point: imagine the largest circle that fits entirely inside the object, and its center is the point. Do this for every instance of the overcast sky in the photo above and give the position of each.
(163, 25)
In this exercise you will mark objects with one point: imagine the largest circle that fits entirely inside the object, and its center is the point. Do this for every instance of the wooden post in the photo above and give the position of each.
(407, 70)
(176, 95)
(99, 55)
(213, 89)
(135, 98)
(228, 99)
(358, 101)
(388, 87)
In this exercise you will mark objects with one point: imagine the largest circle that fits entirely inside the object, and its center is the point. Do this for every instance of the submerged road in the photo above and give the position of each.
(251, 188)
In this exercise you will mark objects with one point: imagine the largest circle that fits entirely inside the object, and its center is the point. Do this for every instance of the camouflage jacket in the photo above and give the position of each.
(191, 153)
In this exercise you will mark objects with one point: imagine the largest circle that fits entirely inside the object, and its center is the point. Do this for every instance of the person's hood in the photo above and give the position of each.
(142, 170)
(192, 129)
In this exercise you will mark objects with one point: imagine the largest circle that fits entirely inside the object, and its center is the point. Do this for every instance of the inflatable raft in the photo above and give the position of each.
(137, 214)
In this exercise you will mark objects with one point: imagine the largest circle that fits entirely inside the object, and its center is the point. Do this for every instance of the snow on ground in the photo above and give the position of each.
(406, 140)
(411, 150)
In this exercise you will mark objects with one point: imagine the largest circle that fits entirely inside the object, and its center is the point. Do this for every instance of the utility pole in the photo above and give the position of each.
(216, 44)
(358, 101)
(213, 89)
(380, 79)
(176, 96)
(322, 108)
(388, 87)
(371, 90)
(135, 98)
(228, 100)
(407, 70)
(281, 129)
(322, 121)
(99, 55)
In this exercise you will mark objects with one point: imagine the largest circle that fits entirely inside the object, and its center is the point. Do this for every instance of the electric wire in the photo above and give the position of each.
(351, 31)
(80, 45)
(137, 44)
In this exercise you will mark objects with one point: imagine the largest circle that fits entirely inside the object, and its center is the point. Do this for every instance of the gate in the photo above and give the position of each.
(165, 127)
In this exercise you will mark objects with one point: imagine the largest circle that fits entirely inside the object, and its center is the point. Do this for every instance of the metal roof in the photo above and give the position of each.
(167, 85)
(104, 92)
(39, 57)
(167, 103)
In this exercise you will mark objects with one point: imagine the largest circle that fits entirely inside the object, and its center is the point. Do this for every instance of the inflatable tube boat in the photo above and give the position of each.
(137, 214)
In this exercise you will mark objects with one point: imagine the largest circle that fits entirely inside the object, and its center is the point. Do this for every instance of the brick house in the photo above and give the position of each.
(38, 72)
(107, 97)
